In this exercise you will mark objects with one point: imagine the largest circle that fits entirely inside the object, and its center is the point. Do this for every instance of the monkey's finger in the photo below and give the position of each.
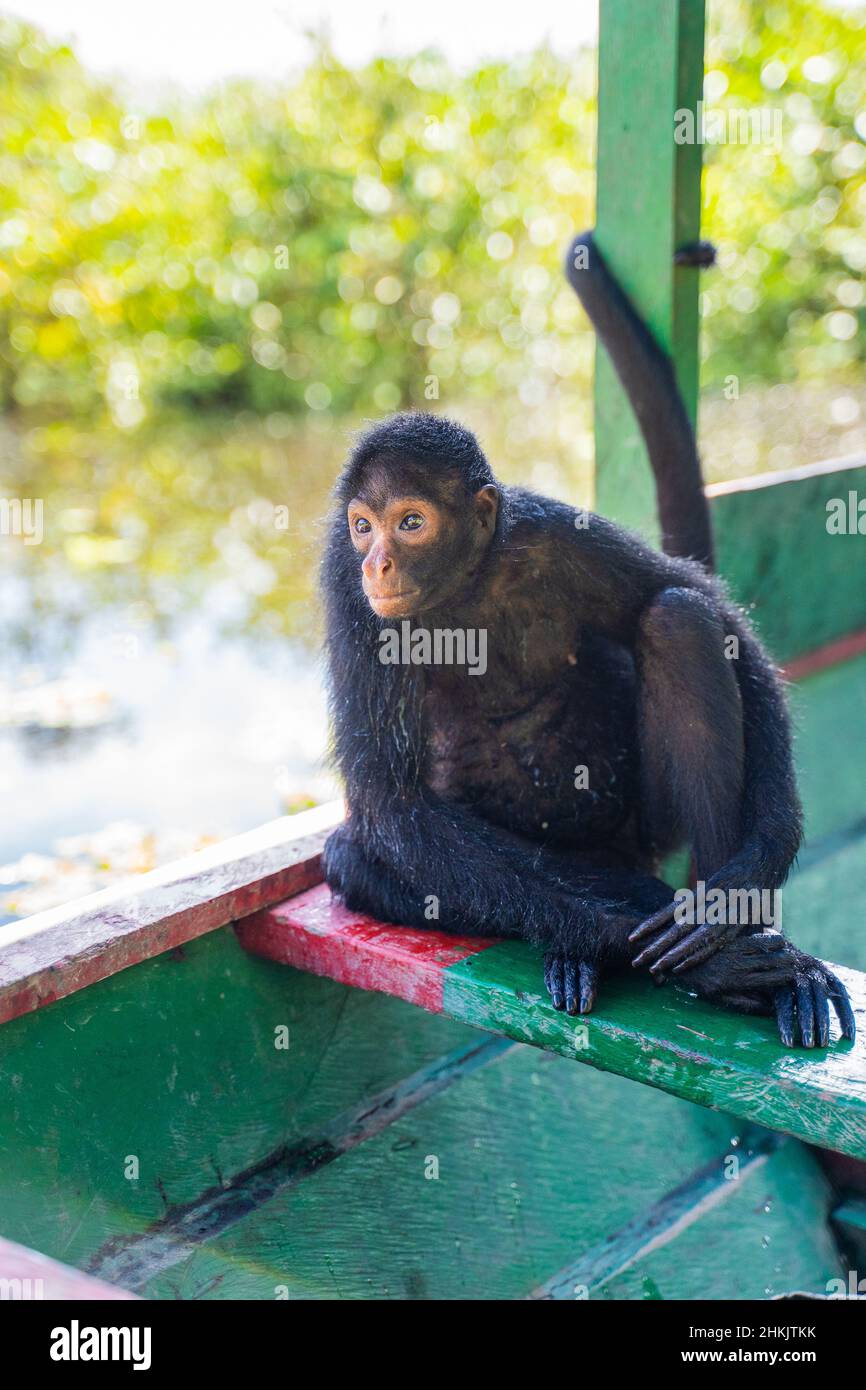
(767, 942)
(784, 1002)
(763, 963)
(652, 924)
(690, 963)
(806, 1013)
(702, 941)
(553, 980)
(821, 996)
(570, 982)
(589, 973)
(842, 1005)
(768, 974)
(663, 943)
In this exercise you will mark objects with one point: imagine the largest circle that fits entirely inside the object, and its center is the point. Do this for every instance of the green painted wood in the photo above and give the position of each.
(769, 1236)
(184, 1229)
(823, 900)
(822, 906)
(536, 1160)
(803, 585)
(669, 1039)
(829, 712)
(173, 1062)
(849, 1221)
(648, 205)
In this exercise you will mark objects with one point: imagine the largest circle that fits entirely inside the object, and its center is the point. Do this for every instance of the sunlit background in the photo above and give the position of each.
(228, 235)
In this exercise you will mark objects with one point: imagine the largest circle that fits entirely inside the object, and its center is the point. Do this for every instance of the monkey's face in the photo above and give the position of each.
(415, 552)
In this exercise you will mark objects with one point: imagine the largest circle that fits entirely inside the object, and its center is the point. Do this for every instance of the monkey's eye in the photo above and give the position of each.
(361, 525)
(412, 521)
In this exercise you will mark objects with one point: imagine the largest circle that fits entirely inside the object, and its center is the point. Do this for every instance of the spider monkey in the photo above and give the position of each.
(605, 659)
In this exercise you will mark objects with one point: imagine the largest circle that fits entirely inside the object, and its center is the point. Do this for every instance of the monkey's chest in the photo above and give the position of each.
(555, 763)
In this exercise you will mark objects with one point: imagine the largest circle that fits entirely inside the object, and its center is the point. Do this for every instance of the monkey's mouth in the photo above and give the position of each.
(393, 605)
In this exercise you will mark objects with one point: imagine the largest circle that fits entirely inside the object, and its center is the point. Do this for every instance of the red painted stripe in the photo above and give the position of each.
(313, 932)
(832, 654)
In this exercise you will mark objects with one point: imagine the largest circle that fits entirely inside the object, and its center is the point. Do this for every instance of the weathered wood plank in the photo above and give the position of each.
(823, 904)
(54, 953)
(134, 1262)
(663, 1037)
(769, 1236)
(25, 1274)
(478, 1193)
(359, 951)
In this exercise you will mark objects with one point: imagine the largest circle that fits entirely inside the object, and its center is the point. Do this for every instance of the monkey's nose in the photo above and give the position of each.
(375, 566)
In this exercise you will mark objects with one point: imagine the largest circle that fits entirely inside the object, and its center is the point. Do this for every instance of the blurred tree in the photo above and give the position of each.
(363, 240)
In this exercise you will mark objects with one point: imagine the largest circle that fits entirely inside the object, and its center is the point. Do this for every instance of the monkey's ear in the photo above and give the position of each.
(487, 505)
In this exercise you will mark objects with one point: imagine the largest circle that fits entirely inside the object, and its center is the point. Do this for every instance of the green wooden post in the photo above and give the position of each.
(648, 205)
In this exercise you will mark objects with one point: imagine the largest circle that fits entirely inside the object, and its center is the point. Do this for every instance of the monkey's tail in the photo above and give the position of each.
(647, 375)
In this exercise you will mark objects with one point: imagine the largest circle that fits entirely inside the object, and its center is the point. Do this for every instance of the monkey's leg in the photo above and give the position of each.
(691, 743)
(367, 885)
(691, 749)
(745, 975)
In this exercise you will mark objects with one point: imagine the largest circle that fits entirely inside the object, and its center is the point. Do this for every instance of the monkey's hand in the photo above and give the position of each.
(671, 942)
(804, 1005)
(572, 984)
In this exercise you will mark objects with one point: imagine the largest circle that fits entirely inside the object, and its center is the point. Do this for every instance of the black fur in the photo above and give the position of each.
(648, 377)
(602, 653)
(434, 444)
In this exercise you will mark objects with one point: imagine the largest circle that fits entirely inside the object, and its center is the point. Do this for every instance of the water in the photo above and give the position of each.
(161, 683)
(200, 734)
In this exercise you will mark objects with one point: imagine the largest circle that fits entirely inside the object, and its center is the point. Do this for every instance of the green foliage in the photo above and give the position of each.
(361, 239)
(789, 220)
(328, 247)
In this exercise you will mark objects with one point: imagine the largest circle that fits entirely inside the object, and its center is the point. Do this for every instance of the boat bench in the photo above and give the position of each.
(268, 883)
(661, 1036)
(145, 1022)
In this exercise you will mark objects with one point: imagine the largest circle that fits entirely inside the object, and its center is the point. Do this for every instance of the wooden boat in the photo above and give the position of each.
(216, 1083)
